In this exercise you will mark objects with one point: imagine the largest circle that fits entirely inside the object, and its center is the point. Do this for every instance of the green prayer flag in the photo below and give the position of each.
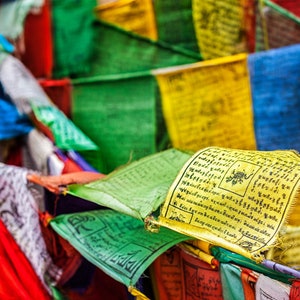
(119, 51)
(137, 189)
(119, 115)
(117, 102)
(231, 282)
(175, 24)
(73, 36)
(117, 244)
(67, 135)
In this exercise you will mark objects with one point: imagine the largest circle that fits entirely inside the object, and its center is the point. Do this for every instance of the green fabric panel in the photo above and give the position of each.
(72, 24)
(231, 282)
(119, 116)
(118, 102)
(175, 23)
(137, 189)
(117, 244)
(67, 135)
(162, 136)
(119, 51)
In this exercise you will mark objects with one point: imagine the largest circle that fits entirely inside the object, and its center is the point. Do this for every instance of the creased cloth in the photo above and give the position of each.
(19, 213)
(17, 273)
(20, 84)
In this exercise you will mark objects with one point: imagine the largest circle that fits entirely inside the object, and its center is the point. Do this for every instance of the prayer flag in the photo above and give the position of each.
(116, 243)
(124, 128)
(274, 84)
(114, 46)
(175, 24)
(133, 15)
(137, 189)
(231, 282)
(19, 213)
(208, 104)
(276, 27)
(268, 288)
(18, 278)
(236, 199)
(73, 36)
(166, 275)
(219, 27)
(13, 124)
(66, 135)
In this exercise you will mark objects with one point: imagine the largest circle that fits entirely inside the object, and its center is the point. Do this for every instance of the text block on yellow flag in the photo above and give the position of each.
(208, 104)
(219, 27)
(236, 199)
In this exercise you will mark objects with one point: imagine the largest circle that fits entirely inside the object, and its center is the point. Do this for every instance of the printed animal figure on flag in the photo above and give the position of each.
(237, 177)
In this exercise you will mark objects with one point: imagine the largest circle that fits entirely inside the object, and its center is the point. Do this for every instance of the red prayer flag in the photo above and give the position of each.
(18, 278)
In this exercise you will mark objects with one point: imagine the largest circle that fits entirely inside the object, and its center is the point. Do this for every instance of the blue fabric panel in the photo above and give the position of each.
(12, 124)
(4, 44)
(275, 84)
(231, 282)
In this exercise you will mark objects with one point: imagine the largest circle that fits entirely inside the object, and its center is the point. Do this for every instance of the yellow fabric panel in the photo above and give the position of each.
(132, 15)
(208, 104)
(219, 27)
(236, 199)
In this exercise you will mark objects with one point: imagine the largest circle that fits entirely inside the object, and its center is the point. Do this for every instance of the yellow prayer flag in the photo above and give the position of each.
(132, 15)
(236, 199)
(219, 27)
(208, 104)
